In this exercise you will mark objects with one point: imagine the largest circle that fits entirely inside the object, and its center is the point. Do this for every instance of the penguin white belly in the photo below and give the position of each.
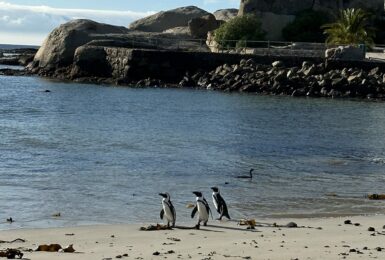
(168, 213)
(215, 203)
(202, 211)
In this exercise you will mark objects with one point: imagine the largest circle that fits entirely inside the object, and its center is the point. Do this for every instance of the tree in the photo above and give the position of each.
(352, 27)
(306, 27)
(239, 30)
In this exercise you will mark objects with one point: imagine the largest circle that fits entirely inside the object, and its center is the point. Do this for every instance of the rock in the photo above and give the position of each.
(200, 26)
(291, 225)
(277, 64)
(357, 224)
(156, 253)
(181, 30)
(59, 47)
(346, 53)
(371, 229)
(348, 222)
(165, 20)
(226, 14)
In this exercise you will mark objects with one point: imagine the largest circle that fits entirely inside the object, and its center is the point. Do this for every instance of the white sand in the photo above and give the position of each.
(220, 240)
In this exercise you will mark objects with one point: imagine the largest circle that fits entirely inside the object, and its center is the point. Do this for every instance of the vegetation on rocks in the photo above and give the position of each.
(352, 27)
(306, 27)
(239, 30)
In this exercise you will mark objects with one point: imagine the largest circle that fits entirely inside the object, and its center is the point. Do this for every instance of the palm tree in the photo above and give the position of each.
(352, 27)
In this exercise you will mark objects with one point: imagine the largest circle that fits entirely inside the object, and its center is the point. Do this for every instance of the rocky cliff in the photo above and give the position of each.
(275, 15)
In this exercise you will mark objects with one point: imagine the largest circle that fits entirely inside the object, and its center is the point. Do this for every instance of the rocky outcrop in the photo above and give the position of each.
(17, 57)
(199, 27)
(165, 20)
(225, 14)
(59, 47)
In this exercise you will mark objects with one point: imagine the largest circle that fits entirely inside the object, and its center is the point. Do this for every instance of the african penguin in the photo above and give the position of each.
(168, 210)
(203, 209)
(220, 204)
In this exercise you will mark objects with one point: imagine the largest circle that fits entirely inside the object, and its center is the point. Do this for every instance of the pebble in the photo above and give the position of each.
(371, 229)
(156, 253)
(348, 222)
(357, 224)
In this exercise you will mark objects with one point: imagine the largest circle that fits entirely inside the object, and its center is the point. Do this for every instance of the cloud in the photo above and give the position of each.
(40, 20)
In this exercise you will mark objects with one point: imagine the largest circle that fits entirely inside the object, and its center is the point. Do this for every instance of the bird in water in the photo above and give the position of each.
(203, 209)
(168, 210)
(250, 176)
(220, 204)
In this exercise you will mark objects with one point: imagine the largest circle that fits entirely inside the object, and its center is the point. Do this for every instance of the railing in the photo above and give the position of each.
(267, 48)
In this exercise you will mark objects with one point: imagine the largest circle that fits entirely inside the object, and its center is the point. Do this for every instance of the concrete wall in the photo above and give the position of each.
(171, 66)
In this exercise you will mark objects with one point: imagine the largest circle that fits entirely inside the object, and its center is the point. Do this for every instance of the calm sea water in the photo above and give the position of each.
(102, 154)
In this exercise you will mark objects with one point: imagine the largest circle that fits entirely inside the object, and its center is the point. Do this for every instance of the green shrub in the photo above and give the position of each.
(239, 30)
(306, 27)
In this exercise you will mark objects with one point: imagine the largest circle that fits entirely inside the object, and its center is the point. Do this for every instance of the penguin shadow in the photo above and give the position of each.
(200, 228)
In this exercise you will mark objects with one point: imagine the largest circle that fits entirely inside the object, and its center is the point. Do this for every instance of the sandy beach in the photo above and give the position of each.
(324, 238)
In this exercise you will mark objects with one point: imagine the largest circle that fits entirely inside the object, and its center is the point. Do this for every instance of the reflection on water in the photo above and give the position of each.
(102, 154)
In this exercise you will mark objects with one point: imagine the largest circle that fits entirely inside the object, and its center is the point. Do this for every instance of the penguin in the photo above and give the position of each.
(168, 210)
(220, 204)
(203, 209)
(250, 176)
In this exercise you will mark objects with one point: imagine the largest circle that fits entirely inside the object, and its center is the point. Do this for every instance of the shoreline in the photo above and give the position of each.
(316, 238)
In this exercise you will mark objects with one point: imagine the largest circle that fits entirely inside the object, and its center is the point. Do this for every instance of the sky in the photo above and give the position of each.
(30, 21)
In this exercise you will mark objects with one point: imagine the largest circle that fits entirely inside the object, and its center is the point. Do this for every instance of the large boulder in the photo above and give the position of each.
(287, 7)
(225, 14)
(165, 20)
(199, 27)
(292, 7)
(59, 47)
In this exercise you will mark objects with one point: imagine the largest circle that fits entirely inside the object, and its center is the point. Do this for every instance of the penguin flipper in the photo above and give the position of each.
(194, 211)
(161, 214)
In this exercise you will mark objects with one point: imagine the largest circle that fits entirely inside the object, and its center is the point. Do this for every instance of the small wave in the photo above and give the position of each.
(379, 160)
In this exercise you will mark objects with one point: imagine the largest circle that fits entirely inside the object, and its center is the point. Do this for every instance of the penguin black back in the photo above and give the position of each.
(220, 204)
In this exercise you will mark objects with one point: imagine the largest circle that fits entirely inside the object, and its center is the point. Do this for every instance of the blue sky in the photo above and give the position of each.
(29, 21)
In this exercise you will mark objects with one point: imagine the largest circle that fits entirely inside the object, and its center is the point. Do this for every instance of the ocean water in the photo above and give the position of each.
(101, 155)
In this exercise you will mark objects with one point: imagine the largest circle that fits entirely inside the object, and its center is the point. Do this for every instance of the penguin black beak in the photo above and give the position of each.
(195, 193)
(213, 188)
(163, 195)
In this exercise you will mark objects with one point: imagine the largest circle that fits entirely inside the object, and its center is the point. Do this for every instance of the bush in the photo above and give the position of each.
(306, 27)
(239, 30)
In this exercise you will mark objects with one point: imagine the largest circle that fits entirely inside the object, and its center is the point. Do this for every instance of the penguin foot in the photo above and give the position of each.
(205, 224)
(197, 226)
